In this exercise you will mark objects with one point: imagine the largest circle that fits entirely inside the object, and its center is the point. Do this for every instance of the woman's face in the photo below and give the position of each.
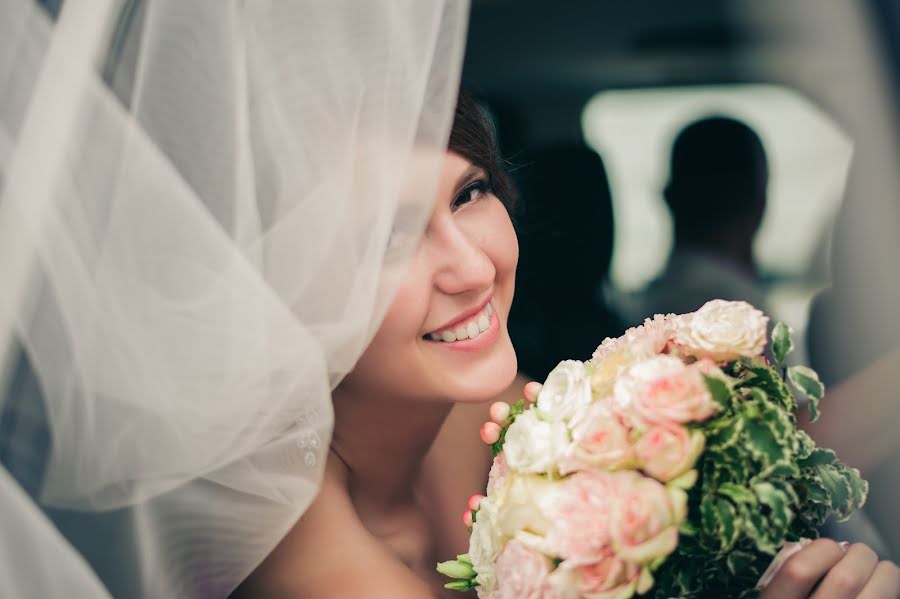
(445, 336)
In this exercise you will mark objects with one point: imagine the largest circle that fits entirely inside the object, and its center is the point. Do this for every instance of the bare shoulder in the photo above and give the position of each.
(329, 553)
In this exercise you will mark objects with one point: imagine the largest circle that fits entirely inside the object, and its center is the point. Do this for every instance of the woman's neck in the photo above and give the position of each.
(382, 443)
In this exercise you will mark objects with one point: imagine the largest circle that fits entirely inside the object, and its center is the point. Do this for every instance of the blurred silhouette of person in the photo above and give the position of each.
(565, 224)
(716, 193)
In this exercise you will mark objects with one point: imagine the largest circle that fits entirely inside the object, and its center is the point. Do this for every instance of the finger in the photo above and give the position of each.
(467, 519)
(490, 432)
(850, 575)
(803, 570)
(531, 391)
(499, 412)
(884, 583)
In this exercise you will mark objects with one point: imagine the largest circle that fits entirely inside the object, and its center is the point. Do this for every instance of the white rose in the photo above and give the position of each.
(527, 503)
(535, 445)
(722, 331)
(566, 391)
(485, 544)
(521, 503)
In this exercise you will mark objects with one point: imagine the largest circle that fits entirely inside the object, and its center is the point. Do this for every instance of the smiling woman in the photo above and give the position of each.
(443, 340)
(459, 287)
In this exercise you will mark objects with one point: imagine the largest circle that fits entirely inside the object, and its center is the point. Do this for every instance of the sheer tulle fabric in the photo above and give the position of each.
(205, 207)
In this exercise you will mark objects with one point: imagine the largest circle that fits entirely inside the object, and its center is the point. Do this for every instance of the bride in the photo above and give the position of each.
(211, 224)
(401, 447)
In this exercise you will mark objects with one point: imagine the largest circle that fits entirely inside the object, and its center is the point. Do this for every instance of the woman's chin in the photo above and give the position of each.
(485, 382)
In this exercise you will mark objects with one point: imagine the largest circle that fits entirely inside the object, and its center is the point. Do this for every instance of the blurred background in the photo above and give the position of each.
(670, 153)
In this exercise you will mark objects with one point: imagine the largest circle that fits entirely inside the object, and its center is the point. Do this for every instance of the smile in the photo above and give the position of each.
(468, 329)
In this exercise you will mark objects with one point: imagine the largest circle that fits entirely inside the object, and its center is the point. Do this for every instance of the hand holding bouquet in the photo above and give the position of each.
(669, 464)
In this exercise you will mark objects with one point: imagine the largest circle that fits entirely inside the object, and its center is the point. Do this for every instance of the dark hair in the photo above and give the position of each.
(718, 174)
(566, 239)
(474, 138)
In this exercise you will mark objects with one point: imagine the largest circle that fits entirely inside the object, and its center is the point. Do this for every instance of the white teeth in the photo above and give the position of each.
(475, 327)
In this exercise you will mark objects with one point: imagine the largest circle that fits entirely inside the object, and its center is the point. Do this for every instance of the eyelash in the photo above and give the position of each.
(478, 189)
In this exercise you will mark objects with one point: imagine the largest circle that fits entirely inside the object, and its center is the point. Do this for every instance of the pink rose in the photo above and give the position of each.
(600, 441)
(663, 389)
(645, 518)
(667, 451)
(580, 531)
(522, 574)
(497, 473)
(637, 344)
(610, 575)
(647, 339)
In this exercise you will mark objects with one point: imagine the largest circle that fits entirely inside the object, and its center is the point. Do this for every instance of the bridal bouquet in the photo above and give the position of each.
(669, 464)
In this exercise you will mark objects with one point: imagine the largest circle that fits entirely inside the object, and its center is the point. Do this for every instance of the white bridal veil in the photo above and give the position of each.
(202, 203)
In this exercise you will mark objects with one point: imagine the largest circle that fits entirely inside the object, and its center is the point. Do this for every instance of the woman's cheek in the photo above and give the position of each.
(402, 321)
(406, 315)
(502, 245)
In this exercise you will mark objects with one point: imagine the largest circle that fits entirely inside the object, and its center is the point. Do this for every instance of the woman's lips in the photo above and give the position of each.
(485, 337)
(460, 322)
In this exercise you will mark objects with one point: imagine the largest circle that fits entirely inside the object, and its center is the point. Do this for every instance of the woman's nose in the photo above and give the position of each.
(461, 262)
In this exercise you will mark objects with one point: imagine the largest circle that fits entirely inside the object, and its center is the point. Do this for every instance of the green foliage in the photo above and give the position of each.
(762, 482)
(460, 569)
(461, 585)
(719, 390)
(770, 382)
(807, 381)
(782, 342)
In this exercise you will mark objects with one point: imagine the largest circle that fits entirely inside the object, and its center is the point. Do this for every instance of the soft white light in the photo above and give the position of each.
(808, 159)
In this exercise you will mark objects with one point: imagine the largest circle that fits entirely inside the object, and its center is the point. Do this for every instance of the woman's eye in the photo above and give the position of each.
(471, 193)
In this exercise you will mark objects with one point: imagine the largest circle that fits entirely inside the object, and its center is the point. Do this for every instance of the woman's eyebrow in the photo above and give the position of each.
(471, 173)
